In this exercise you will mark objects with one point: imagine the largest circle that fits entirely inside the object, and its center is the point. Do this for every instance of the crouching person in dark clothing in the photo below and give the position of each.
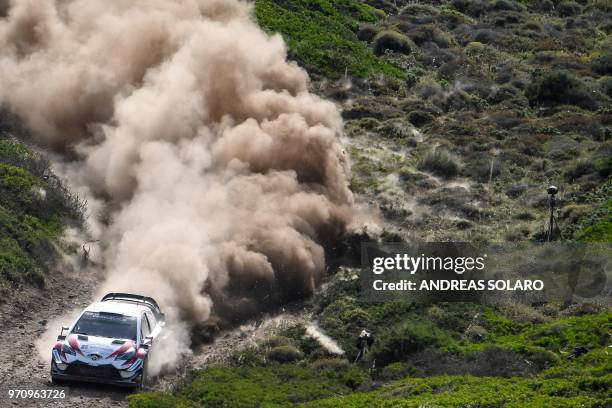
(364, 342)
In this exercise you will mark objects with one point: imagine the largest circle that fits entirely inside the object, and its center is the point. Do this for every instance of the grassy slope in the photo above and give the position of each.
(33, 213)
(321, 35)
(322, 381)
(514, 95)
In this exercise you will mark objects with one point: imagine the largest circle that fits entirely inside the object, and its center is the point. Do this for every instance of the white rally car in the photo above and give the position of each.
(110, 342)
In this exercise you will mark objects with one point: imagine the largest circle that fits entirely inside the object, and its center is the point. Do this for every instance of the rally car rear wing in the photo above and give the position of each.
(145, 300)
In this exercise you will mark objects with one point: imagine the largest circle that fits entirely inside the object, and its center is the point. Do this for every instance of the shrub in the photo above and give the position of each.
(334, 364)
(603, 5)
(392, 40)
(419, 118)
(405, 339)
(275, 341)
(157, 399)
(470, 7)
(605, 84)
(395, 371)
(367, 32)
(559, 87)
(498, 362)
(440, 162)
(247, 357)
(503, 5)
(450, 69)
(579, 169)
(600, 231)
(569, 9)
(486, 36)
(603, 64)
(429, 33)
(418, 9)
(284, 354)
(394, 129)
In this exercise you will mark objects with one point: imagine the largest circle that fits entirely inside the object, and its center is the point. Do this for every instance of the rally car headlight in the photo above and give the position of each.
(66, 349)
(57, 360)
(126, 374)
(127, 355)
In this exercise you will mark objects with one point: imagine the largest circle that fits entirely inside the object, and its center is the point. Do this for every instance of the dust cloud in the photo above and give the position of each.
(221, 177)
(324, 340)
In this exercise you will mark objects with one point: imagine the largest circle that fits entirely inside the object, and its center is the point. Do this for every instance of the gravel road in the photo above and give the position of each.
(26, 315)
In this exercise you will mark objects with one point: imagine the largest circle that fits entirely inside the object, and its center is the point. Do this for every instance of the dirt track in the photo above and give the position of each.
(25, 316)
(23, 319)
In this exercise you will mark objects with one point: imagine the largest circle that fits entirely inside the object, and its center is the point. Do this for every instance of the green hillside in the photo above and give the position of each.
(458, 115)
(35, 207)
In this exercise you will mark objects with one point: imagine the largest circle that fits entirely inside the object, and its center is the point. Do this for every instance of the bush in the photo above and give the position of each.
(275, 341)
(597, 226)
(405, 339)
(439, 162)
(569, 9)
(395, 371)
(603, 64)
(502, 362)
(486, 36)
(603, 5)
(157, 400)
(284, 354)
(367, 32)
(392, 40)
(334, 364)
(247, 357)
(419, 118)
(605, 84)
(429, 33)
(559, 87)
(579, 169)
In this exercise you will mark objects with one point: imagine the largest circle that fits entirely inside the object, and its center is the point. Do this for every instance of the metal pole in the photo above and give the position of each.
(551, 218)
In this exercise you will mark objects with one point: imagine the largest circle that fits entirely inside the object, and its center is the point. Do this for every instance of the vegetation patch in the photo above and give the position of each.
(321, 36)
(439, 162)
(34, 208)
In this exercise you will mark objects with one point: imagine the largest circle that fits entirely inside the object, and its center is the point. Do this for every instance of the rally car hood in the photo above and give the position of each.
(101, 347)
(93, 350)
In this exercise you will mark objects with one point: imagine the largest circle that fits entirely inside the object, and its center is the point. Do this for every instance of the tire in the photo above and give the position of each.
(143, 377)
(55, 381)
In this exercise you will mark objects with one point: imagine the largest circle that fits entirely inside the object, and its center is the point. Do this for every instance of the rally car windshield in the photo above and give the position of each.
(102, 324)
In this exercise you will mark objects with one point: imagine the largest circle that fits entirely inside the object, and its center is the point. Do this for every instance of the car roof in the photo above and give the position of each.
(123, 308)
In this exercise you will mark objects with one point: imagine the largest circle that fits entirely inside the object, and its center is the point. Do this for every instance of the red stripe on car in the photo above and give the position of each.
(74, 344)
(121, 349)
